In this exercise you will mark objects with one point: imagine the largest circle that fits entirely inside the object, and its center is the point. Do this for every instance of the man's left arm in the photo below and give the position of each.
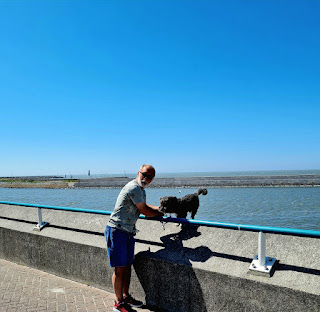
(149, 210)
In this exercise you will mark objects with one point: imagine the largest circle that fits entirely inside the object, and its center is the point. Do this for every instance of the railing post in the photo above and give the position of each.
(40, 224)
(262, 249)
(261, 263)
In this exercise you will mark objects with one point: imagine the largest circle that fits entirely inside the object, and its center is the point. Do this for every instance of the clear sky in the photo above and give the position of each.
(184, 85)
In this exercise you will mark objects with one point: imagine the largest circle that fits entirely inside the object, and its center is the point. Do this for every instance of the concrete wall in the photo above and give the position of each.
(290, 180)
(178, 269)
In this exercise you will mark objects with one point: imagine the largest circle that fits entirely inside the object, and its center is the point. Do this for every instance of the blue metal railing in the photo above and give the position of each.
(233, 226)
(260, 263)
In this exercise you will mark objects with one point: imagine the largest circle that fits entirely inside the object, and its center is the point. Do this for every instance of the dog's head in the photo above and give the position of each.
(168, 204)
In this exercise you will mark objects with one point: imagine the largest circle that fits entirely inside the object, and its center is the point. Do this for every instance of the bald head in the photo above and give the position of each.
(145, 175)
(149, 168)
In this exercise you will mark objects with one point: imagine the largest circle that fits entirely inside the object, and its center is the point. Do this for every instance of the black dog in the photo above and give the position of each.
(181, 206)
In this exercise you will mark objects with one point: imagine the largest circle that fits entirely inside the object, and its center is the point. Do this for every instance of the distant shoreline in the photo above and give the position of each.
(177, 182)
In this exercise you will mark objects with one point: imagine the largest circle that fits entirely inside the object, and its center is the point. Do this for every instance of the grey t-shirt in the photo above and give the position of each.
(126, 213)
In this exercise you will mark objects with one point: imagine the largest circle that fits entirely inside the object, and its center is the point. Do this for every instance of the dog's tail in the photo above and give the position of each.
(202, 191)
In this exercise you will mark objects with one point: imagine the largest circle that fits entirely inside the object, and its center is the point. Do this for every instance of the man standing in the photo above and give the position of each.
(120, 233)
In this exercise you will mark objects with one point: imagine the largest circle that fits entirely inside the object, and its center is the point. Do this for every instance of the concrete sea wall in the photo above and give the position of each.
(241, 181)
(114, 182)
(192, 268)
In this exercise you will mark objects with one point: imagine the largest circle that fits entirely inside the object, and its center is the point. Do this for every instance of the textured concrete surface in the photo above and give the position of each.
(291, 180)
(26, 289)
(194, 269)
(119, 182)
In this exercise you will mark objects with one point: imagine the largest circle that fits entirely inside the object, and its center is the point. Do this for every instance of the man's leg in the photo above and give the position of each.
(127, 298)
(121, 281)
(126, 282)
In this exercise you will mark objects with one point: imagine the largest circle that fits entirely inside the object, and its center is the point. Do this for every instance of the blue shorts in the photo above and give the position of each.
(120, 245)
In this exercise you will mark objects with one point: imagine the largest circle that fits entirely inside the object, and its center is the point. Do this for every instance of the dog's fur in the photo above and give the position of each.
(181, 206)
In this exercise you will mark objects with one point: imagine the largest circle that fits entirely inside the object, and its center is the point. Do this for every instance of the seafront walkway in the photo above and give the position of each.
(26, 289)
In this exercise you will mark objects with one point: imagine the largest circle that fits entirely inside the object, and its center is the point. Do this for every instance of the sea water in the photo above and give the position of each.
(290, 207)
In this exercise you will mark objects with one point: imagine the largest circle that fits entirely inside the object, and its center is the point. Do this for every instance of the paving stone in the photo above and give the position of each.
(26, 289)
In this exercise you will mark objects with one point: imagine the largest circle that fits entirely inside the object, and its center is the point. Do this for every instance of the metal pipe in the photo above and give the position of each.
(39, 217)
(233, 226)
(59, 208)
(262, 249)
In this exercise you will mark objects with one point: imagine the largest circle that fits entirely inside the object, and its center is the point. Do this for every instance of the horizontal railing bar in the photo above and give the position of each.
(103, 212)
(233, 226)
(242, 227)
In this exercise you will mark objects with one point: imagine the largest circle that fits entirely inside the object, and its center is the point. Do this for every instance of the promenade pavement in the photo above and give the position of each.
(25, 289)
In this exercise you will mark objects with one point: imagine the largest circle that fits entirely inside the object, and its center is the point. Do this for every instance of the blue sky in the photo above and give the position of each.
(184, 85)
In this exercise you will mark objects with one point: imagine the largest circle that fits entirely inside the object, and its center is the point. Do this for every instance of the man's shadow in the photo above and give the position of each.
(167, 275)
